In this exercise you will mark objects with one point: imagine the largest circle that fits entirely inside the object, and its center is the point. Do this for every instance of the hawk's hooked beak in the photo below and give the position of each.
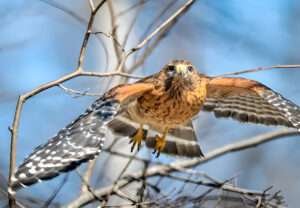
(181, 69)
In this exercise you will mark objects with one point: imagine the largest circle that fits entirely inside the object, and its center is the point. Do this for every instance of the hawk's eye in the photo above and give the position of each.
(190, 68)
(171, 68)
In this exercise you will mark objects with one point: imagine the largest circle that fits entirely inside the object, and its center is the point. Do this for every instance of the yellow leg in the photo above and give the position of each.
(160, 142)
(137, 138)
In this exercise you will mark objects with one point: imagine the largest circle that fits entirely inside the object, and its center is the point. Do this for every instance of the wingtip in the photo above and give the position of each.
(201, 154)
(197, 152)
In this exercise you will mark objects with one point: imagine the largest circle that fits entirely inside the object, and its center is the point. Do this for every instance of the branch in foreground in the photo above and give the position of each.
(183, 164)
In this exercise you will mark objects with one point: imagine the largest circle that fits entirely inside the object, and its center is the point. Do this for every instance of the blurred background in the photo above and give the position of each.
(40, 42)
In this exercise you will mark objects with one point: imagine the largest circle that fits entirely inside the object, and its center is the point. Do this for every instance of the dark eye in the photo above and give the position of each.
(171, 68)
(190, 68)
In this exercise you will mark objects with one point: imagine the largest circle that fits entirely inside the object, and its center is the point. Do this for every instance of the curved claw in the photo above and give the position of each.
(137, 137)
(159, 145)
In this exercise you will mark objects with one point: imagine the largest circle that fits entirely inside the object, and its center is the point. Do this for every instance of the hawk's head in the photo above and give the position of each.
(179, 74)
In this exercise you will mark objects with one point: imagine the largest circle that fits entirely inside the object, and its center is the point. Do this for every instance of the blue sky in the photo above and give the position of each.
(39, 43)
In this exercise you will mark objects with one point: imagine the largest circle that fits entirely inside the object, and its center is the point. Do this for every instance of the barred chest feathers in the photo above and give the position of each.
(175, 106)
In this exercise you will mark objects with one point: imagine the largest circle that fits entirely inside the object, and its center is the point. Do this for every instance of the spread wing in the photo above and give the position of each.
(250, 101)
(181, 141)
(79, 141)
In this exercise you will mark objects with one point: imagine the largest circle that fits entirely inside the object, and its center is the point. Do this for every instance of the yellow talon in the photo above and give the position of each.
(137, 138)
(160, 143)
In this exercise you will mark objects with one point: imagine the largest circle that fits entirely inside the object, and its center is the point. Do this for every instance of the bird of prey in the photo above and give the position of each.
(165, 102)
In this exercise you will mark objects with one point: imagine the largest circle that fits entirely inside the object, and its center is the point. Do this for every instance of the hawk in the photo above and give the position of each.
(165, 102)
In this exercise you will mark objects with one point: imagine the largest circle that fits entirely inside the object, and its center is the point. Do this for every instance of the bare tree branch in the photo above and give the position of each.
(180, 164)
(22, 99)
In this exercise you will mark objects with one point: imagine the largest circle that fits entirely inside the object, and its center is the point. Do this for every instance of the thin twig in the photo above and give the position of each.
(138, 4)
(79, 19)
(172, 18)
(77, 93)
(64, 9)
(57, 190)
(108, 149)
(143, 187)
(123, 155)
(87, 175)
(148, 49)
(161, 33)
(131, 25)
(87, 36)
(92, 6)
(131, 205)
(113, 38)
(224, 185)
(115, 185)
(157, 18)
(122, 195)
(114, 32)
(264, 68)
(89, 189)
(109, 74)
(161, 27)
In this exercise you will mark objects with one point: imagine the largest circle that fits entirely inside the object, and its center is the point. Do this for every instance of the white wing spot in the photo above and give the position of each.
(37, 158)
(32, 171)
(22, 175)
(29, 165)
